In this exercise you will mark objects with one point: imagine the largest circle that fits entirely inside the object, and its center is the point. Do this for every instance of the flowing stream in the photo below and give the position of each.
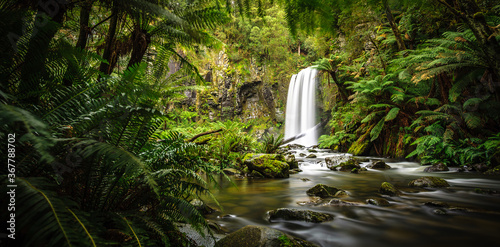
(473, 219)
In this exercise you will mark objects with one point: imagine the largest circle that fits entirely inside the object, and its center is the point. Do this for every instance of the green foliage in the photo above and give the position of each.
(271, 143)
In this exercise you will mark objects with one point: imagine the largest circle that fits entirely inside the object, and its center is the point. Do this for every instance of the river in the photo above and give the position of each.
(473, 219)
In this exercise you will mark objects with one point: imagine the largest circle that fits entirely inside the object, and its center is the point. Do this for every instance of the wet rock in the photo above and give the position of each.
(267, 165)
(311, 156)
(294, 171)
(346, 166)
(230, 171)
(322, 191)
(312, 150)
(481, 167)
(388, 189)
(437, 204)
(336, 160)
(355, 170)
(201, 206)
(486, 191)
(305, 179)
(338, 202)
(428, 182)
(378, 202)
(298, 215)
(302, 155)
(314, 201)
(341, 193)
(439, 211)
(256, 174)
(261, 236)
(439, 167)
(378, 164)
(363, 169)
(291, 161)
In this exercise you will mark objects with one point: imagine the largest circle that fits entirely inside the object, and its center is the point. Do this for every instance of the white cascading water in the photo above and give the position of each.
(301, 108)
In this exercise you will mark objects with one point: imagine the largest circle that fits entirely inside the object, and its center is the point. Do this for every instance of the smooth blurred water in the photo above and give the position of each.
(301, 107)
(406, 222)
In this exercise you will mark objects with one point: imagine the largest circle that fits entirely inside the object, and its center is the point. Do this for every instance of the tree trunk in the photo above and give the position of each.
(84, 25)
(48, 20)
(140, 42)
(394, 26)
(107, 68)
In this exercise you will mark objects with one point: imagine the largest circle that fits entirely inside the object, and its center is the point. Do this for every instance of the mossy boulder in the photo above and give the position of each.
(267, 165)
(311, 156)
(439, 167)
(359, 148)
(261, 236)
(378, 164)
(389, 189)
(323, 191)
(346, 166)
(428, 182)
(298, 215)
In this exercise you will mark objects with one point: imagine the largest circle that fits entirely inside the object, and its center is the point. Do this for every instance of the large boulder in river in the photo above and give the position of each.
(378, 164)
(336, 160)
(428, 182)
(439, 167)
(323, 191)
(298, 215)
(346, 166)
(261, 236)
(268, 165)
(389, 189)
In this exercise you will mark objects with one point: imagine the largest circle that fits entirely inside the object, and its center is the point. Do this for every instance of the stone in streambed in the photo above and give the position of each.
(439, 167)
(378, 164)
(298, 215)
(323, 191)
(346, 166)
(311, 156)
(261, 236)
(291, 161)
(388, 189)
(378, 202)
(428, 182)
(267, 165)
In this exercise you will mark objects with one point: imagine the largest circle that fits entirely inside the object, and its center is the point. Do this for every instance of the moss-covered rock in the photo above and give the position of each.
(322, 191)
(268, 165)
(378, 164)
(389, 189)
(230, 171)
(260, 236)
(428, 182)
(311, 156)
(346, 166)
(298, 215)
(439, 167)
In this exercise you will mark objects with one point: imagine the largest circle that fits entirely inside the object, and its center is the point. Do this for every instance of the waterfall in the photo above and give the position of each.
(301, 108)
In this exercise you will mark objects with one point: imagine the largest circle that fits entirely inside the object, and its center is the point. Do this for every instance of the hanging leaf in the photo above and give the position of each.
(393, 113)
(376, 130)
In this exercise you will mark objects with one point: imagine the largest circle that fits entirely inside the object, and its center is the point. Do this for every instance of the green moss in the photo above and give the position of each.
(322, 191)
(388, 189)
(347, 165)
(358, 148)
(428, 182)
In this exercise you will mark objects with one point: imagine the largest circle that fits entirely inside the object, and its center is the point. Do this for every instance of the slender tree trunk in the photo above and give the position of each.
(84, 25)
(140, 42)
(394, 26)
(47, 23)
(107, 68)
